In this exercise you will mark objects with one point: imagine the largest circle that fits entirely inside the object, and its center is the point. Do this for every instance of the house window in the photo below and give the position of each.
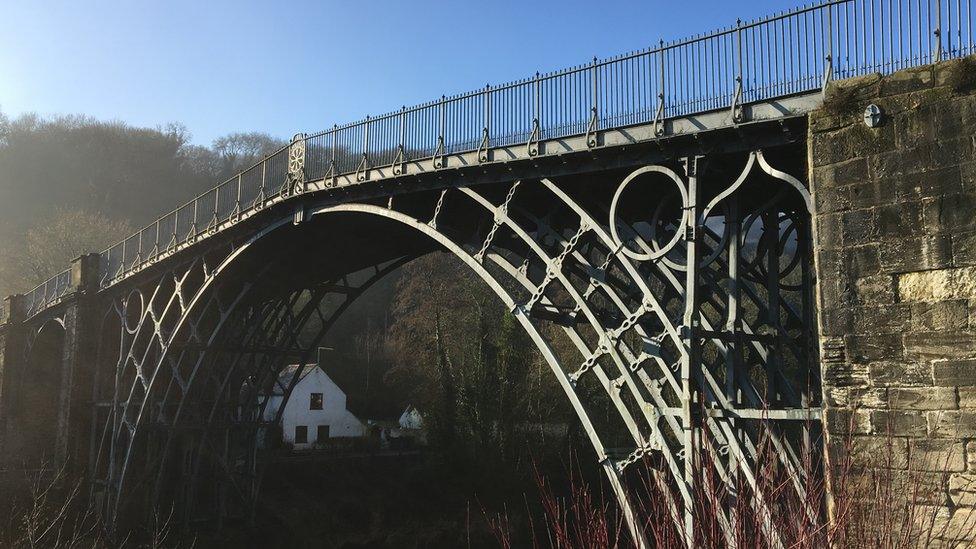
(323, 433)
(301, 434)
(315, 401)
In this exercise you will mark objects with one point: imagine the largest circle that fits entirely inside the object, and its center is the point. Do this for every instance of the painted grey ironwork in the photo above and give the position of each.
(659, 327)
(792, 53)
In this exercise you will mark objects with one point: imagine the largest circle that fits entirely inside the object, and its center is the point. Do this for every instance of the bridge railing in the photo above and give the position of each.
(786, 54)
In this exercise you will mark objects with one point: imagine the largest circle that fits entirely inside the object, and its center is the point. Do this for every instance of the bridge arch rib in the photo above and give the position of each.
(551, 261)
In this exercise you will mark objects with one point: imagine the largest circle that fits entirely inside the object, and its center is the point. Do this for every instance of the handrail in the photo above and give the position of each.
(797, 51)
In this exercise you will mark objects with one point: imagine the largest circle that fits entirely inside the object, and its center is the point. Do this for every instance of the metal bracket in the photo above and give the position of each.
(398, 161)
(659, 116)
(532, 147)
(827, 75)
(483, 147)
(362, 171)
(591, 129)
(330, 176)
(439, 153)
(736, 108)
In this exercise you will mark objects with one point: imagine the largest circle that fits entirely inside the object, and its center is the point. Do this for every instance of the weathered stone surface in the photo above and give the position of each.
(845, 374)
(898, 423)
(875, 289)
(967, 397)
(896, 269)
(914, 254)
(885, 318)
(960, 526)
(962, 489)
(951, 373)
(938, 455)
(922, 398)
(899, 374)
(940, 345)
(844, 422)
(940, 285)
(952, 423)
(900, 220)
(862, 349)
(940, 315)
(846, 397)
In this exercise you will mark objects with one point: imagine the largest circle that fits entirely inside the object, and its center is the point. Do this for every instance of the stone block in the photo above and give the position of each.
(937, 285)
(847, 422)
(863, 261)
(937, 455)
(829, 199)
(952, 423)
(872, 451)
(915, 127)
(939, 315)
(961, 528)
(862, 349)
(953, 373)
(962, 489)
(955, 117)
(874, 289)
(901, 162)
(964, 248)
(830, 237)
(899, 374)
(939, 345)
(933, 183)
(856, 397)
(967, 397)
(906, 81)
(898, 423)
(922, 398)
(858, 227)
(882, 319)
(837, 321)
(900, 220)
(844, 374)
(916, 254)
(957, 212)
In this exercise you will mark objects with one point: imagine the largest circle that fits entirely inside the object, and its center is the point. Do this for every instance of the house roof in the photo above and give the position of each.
(288, 372)
(350, 383)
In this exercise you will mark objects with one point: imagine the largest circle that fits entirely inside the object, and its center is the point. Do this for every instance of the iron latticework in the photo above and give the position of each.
(689, 315)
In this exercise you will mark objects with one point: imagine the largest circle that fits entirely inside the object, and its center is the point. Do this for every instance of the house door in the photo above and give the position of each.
(323, 434)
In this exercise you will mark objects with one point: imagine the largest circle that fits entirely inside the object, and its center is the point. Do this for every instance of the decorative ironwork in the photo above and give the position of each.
(718, 316)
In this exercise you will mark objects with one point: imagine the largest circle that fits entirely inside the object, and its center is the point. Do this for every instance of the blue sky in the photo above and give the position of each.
(281, 67)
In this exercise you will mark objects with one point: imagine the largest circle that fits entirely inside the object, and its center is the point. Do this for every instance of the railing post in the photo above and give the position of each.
(937, 31)
(659, 114)
(240, 183)
(828, 74)
(400, 158)
(333, 169)
(532, 147)
(362, 171)
(261, 195)
(486, 133)
(440, 148)
(737, 98)
(593, 126)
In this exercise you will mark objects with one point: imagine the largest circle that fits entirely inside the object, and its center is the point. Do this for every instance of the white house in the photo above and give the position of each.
(316, 410)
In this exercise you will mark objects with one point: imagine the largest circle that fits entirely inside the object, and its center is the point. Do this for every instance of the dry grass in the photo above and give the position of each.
(881, 504)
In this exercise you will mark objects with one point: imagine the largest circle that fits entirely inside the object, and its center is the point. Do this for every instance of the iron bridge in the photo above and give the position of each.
(649, 212)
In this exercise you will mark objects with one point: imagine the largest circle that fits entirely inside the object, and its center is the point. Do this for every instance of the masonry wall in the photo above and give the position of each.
(895, 228)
